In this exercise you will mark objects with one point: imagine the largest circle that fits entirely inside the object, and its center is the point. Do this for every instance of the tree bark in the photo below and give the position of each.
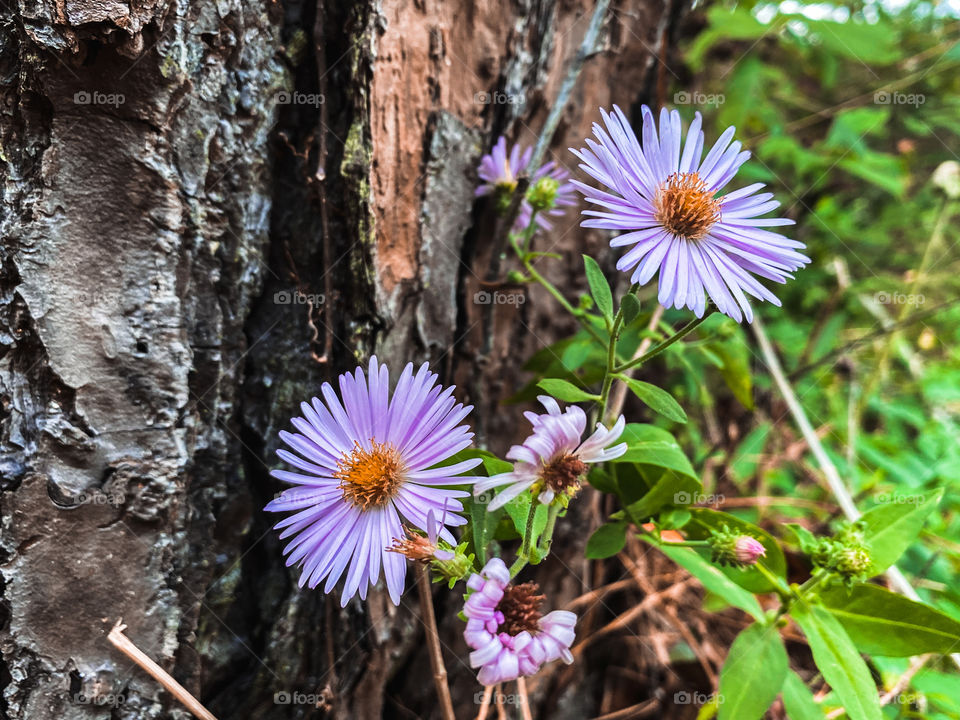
(210, 208)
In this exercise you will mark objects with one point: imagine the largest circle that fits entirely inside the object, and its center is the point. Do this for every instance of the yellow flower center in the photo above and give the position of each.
(685, 206)
(369, 478)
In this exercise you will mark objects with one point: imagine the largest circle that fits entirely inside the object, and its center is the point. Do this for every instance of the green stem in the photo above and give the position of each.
(812, 582)
(524, 556)
(783, 590)
(683, 543)
(678, 335)
(611, 363)
(547, 538)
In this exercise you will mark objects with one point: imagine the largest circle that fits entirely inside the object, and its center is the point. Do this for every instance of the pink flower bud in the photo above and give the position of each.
(749, 550)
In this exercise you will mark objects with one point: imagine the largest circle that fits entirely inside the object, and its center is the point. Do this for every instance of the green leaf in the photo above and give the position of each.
(883, 623)
(602, 480)
(735, 372)
(650, 445)
(753, 673)
(889, 529)
(805, 539)
(798, 700)
(576, 354)
(607, 540)
(838, 660)
(599, 287)
(483, 524)
(669, 489)
(746, 458)
(566, 391)
(705, 520)
(712, 579)
(656, 399)
(519, 510)
(629, 308)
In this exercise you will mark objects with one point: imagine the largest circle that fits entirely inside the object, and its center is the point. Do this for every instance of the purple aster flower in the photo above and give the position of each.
(667, 201)
(509, 635)
(365, 464)
(550, 182)
(552, 460)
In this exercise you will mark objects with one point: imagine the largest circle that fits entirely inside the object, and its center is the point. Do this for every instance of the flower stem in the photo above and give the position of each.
(678, 335)
(610, 370)
(433, 642)
(524, 556)
(547, 538)
(781, 588)
(522, 249)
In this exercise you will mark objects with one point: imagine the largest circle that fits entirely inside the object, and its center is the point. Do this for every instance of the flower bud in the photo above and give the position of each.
(503, 195)
(543, 195)
(853, 562)
(749, 550)
(732, 548)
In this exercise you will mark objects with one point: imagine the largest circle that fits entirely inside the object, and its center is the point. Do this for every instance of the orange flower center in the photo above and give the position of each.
(685, 206)
(369, 478)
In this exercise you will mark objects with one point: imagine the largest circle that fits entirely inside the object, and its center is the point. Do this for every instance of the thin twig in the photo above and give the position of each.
(634, 711)
(485, 703)
(433, 642)
(126, 646)
(524, 699)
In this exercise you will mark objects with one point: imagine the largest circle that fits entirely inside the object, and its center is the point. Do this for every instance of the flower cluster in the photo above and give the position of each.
(509, 635)
(378, 473)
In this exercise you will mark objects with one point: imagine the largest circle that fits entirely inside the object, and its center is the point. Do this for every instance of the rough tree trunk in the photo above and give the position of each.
(209, 208)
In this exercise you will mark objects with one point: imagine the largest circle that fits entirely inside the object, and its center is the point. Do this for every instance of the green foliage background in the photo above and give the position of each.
(849, 109)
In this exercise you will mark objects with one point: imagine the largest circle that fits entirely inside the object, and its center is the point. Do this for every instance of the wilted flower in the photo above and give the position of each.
(553, 460)
(550, 188)
(676, 223)
(423, 548)
(509, 635)
(365, 464)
